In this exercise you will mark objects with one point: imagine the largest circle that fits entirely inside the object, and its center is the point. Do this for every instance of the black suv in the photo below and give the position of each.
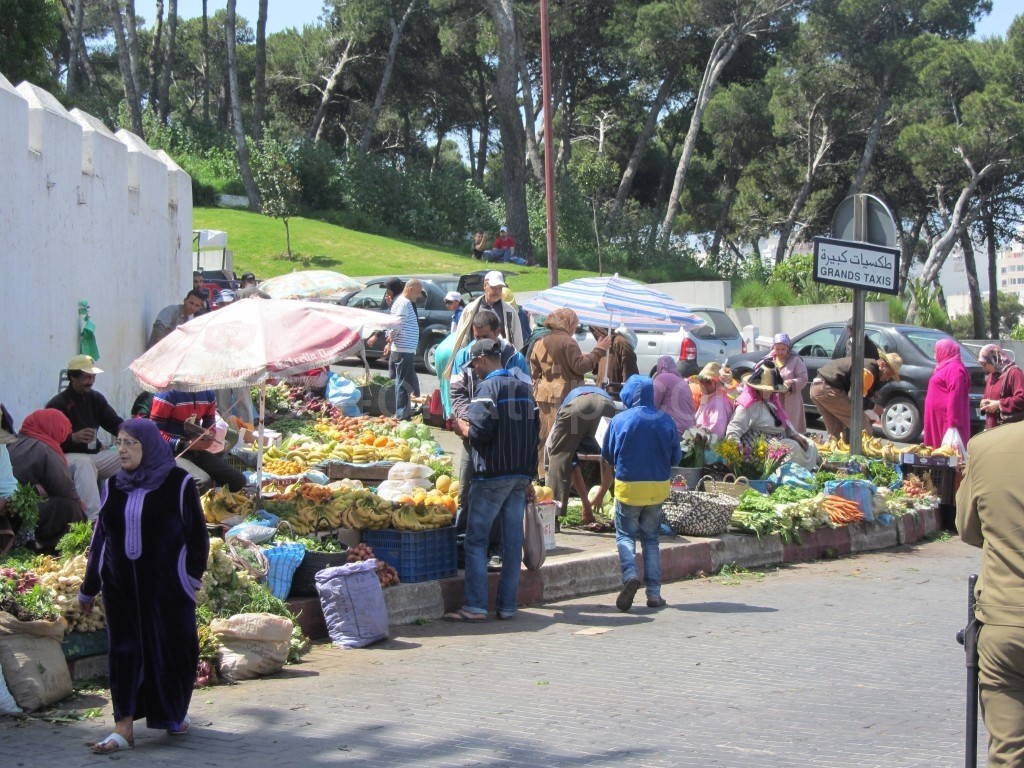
(435, 318)
(902, 401)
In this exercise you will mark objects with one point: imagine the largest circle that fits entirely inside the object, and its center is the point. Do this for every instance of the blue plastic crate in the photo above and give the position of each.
(416, 555)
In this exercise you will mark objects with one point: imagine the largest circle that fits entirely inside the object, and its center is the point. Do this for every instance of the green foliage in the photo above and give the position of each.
(797, 274)
(280, 188)
(751, 293)
(930, 313)
(29, 29)
(1010, 310)
(76, 540)
(24, 505)
(318, 170)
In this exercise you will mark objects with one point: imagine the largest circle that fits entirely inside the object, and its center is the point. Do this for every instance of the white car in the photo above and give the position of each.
(692, 350)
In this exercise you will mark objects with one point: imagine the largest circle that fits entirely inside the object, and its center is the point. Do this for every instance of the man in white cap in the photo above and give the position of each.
(454, 304)
(509, 327)
(87, 410)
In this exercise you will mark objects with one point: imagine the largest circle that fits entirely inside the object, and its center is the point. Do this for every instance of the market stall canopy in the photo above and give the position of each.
(253, 340)
(607, 302)
(309, 284)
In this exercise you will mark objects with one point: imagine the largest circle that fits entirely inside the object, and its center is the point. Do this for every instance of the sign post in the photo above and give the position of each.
(861, 254)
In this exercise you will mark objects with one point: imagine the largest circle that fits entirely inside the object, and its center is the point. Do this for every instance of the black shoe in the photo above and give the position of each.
(656, 602)
(494, 564)
(625, 599)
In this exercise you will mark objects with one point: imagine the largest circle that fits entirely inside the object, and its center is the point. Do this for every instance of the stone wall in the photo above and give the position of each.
(86, 214)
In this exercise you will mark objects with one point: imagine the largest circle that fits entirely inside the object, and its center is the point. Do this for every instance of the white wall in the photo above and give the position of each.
(798, 318)
(84, 214)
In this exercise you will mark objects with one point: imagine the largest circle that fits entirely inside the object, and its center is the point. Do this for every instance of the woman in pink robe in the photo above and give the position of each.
(947, 403)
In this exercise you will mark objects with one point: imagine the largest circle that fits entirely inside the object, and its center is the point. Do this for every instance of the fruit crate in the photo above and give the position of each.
(941, 478)
(416, 555)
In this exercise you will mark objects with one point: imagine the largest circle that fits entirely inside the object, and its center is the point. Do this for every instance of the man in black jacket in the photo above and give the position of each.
(503, 436)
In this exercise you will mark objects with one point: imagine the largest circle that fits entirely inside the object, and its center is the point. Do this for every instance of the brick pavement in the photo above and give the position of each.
(844, 663)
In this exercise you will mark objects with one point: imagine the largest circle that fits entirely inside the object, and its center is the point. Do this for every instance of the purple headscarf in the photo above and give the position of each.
(782, 338)
(667, 364)
(157, 458)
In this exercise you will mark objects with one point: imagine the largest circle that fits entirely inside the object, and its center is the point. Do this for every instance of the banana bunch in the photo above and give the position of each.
(315, 517)
(877, 448)
(220, 504)
(365, 515)
(420, 518)
(361, 454)
(284, 467)
(924, 450)
(397, 452)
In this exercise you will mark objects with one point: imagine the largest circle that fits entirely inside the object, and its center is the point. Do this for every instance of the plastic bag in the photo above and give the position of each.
(390, 490)
(405, 470)
(534, 548)
(353, 604)
(283, 560)
(342, 391)
(794, 475)
(253, 532)
(952, 439)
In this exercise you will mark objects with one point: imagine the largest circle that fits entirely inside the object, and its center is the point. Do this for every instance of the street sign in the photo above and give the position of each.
(865, 218)
(856, 265)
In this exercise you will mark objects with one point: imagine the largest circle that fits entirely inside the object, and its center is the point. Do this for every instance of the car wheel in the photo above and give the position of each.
(901, 420)
(429, 353)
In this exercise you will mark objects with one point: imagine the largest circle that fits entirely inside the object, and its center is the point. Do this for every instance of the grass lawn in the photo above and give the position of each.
(258, 243)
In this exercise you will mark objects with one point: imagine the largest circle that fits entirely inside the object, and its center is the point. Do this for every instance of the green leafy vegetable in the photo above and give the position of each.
(24, 504)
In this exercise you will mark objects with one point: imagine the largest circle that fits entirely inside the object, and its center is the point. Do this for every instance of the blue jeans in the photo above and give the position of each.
(406, 382)
(503, 498)
(632, 523)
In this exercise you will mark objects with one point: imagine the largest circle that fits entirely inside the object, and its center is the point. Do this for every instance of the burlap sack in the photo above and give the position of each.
(32, 661)
(253, 644)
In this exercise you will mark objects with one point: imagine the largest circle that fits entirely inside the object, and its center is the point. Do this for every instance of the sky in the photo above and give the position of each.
(296, 13)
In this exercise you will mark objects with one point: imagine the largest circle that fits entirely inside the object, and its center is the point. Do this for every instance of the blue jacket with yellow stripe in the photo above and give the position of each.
(642, 445)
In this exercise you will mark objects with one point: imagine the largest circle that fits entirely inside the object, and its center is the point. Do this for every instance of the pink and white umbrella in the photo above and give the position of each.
(250, 341)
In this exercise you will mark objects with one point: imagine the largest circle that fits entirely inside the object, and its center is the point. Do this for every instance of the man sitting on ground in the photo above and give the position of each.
(91, 462)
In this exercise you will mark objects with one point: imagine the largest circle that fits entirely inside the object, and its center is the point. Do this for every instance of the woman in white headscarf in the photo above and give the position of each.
(792, 372)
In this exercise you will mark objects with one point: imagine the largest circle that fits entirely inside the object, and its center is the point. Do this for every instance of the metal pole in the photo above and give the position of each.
(549, 151)
(860, 233)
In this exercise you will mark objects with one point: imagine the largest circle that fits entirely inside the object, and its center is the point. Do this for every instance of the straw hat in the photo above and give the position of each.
(766, 382)
(893, 360)
(710, 371)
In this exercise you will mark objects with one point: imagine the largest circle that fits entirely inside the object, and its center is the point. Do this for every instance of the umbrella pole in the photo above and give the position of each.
(259, 449)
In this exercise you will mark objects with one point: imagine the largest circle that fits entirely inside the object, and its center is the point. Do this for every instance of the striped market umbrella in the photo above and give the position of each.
(309, 284)
(607, 302)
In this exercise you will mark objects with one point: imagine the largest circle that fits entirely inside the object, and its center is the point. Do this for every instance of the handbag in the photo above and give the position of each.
(698, 513)
(534, 549)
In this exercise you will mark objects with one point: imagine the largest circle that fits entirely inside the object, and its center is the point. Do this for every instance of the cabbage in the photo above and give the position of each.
(423, 432)
(406, 429)
(412, 442)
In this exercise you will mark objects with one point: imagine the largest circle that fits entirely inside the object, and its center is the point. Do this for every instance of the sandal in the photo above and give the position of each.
(112, 743)
(181, 729)
(465, 616)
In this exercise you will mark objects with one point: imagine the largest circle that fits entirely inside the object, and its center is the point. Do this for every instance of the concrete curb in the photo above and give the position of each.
(681, 558)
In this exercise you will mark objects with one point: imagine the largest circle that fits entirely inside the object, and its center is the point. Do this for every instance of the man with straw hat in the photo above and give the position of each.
(830, 389)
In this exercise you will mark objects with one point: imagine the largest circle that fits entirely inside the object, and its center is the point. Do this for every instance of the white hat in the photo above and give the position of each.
(453, 296)
(503, 228)
(494, 277)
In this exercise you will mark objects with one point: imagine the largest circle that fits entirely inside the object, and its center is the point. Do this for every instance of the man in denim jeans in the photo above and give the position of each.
(642, 445)
(503, 435)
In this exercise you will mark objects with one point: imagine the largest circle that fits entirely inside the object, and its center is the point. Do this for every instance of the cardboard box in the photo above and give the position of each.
(928, 461)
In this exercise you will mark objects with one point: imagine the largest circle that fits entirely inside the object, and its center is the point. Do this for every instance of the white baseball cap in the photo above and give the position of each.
(453, 296)
(494, 277)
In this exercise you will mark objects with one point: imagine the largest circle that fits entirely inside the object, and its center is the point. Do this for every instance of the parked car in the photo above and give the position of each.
(902, 401)
(435, 319)
(692, 350)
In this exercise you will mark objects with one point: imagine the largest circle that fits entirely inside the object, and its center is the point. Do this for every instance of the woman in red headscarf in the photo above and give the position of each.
(947, 402)
(38, 460)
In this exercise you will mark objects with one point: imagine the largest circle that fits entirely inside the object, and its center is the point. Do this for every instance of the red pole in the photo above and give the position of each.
(549, 152)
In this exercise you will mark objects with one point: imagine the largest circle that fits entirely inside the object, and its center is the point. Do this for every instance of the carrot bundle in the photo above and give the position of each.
(842, 511)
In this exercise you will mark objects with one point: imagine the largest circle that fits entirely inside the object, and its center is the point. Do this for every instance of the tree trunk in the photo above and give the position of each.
(327, 95)
(993, 278)
(397, 28)
(169, 52)
(723, 215)
(133, 48)
(206, 62)
(529, 115)
(971, 267)
(76, 47)
(510, 123)
(124, 63)
(241, 147)
(260, 96)
(873, 133)
(908, 246)
(815, 158)
(725, 46)
(629, 174)
(485, 123)
(155, 53)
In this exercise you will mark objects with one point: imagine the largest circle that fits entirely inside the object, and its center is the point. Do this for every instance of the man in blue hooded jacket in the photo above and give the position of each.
(642, 445)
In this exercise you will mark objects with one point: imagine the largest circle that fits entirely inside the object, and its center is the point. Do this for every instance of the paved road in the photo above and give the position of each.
(843, 663)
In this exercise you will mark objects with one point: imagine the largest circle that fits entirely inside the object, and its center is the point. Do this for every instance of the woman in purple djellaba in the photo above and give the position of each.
(147, 557)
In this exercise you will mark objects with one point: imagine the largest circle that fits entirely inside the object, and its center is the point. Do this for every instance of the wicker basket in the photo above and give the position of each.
(256, 564)
(735, 487)
(304, 578)
(697, 513)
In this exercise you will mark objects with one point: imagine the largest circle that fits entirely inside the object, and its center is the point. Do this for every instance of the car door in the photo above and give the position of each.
(815, 348)
(371, 297)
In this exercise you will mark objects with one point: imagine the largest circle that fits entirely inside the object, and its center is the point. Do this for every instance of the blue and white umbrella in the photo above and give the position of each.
(607, 302)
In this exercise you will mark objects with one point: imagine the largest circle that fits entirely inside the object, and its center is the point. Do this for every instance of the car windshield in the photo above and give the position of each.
(925, 340)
